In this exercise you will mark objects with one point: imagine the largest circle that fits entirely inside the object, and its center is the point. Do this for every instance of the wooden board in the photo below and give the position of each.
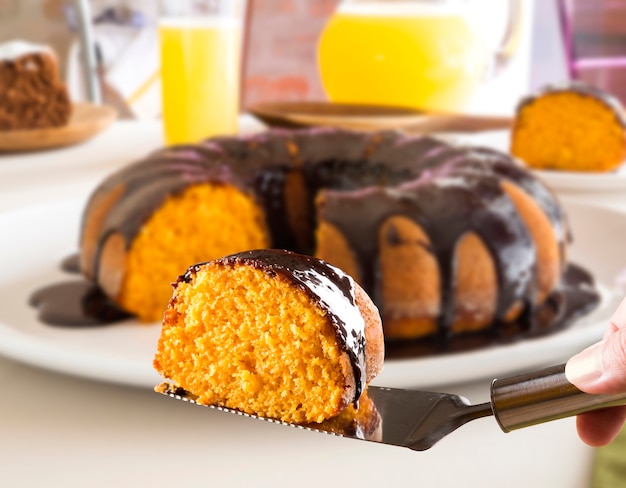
(86, 121)
(372, 117)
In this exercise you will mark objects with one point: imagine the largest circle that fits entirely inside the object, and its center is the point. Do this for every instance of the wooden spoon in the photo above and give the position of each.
(371, 117)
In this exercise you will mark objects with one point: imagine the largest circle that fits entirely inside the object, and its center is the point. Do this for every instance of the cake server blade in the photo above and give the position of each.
(419, 419)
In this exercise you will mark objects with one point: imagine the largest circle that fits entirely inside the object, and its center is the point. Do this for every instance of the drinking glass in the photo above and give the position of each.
(201, 48)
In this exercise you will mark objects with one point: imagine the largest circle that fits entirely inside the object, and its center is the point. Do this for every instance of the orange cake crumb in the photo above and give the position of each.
(574, 129)
(245, 336)
(196, 225)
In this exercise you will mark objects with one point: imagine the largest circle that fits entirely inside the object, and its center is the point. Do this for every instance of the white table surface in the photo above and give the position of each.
(63, 431)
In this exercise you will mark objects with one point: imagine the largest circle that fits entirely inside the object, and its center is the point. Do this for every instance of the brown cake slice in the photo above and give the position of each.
(32, 95)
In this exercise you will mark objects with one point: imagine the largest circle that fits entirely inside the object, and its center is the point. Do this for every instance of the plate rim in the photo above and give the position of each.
(33, 350)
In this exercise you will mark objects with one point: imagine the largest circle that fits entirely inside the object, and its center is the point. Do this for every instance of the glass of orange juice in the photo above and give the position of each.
(201, 49)
(424, 54)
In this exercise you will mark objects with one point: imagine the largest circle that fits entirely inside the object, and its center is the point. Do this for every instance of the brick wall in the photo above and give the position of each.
(282, 49)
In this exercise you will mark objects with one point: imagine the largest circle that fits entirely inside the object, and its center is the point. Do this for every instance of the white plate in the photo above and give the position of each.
(570, 181)
(35, 239)
(585, 182)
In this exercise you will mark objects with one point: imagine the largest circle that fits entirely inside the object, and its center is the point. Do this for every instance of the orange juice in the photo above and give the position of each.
(404, 54)
(200, 75)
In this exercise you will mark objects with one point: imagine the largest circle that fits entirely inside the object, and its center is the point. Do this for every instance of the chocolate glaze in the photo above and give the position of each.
(422, 178)
(457, 192)
(75, 304)
(574, 298)
(582, 89)
(71, 263)
(323, 283)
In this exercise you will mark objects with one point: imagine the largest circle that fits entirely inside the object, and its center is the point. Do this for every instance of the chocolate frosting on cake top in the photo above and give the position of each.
(365, 178)
(583, 89)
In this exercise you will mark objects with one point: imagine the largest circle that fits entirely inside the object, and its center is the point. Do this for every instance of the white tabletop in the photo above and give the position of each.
(63, 431)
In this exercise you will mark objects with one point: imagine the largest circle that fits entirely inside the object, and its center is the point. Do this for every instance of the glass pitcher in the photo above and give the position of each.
(424, 54)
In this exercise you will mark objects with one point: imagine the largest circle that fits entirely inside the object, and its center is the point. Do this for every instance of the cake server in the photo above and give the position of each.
(419, 419)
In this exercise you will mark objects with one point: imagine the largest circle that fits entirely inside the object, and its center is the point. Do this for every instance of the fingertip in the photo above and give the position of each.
(585, 368)
(600, 427)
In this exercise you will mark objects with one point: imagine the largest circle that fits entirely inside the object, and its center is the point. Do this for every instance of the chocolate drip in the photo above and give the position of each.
(480, 206)
(446, 212)
(583, 89)
(81, 304)
(488, 161)
(75, 304)
(574, 297)
(270, 186)
(71, 264)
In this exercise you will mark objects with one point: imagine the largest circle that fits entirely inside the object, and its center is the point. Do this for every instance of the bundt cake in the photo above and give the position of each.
(572, 127)
(32, 95)
(447, 240)
(271, 333)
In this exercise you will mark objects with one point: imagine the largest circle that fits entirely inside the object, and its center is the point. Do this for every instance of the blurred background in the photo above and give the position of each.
(280, 62)
(86, 427)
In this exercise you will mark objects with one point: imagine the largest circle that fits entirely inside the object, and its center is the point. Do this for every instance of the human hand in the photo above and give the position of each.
(601, 368)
